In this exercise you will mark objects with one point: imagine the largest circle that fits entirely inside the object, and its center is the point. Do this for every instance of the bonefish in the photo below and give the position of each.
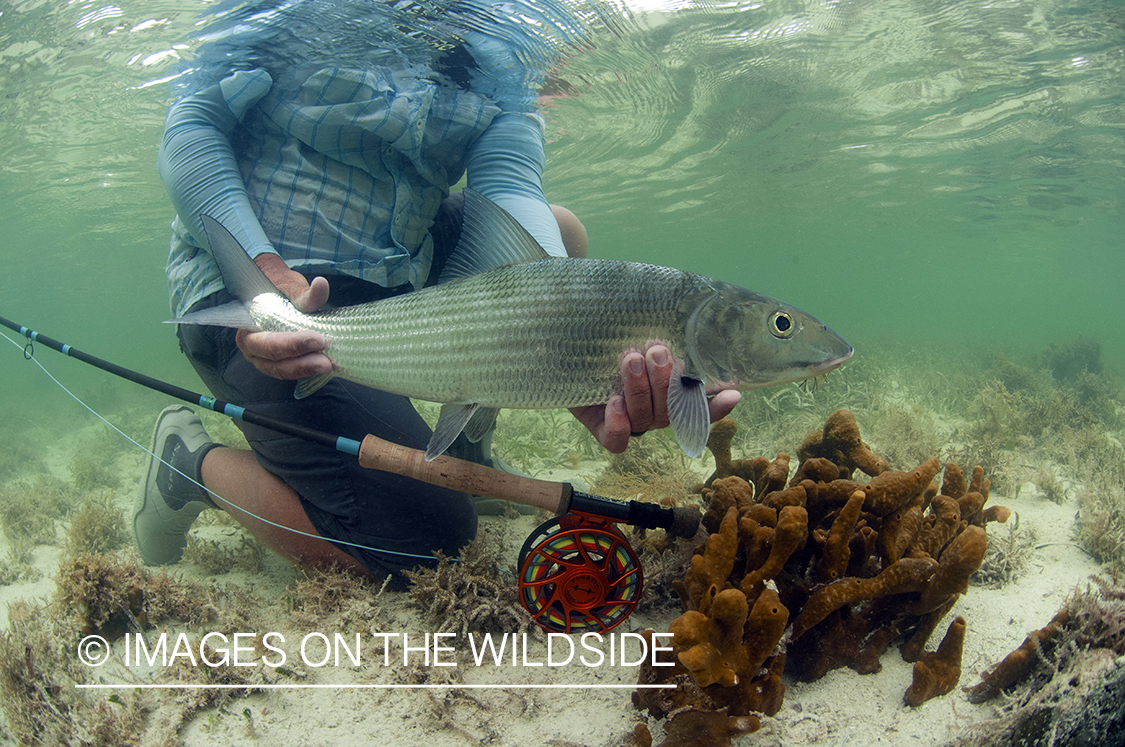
(509, 326)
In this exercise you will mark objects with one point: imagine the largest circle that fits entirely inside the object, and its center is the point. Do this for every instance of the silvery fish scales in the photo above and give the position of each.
(510, 327)
(544, 334)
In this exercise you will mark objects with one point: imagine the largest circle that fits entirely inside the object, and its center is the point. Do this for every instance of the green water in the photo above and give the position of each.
(917, 172)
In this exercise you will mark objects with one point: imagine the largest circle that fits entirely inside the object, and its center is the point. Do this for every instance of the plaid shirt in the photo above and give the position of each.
(344, 170)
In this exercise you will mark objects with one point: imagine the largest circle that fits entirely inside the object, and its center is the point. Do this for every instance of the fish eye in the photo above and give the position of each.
(781, 324)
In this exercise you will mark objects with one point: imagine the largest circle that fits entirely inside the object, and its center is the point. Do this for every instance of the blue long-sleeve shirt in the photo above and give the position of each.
(341, 169)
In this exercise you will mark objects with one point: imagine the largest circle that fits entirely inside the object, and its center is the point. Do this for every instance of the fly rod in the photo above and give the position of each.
(376, 453)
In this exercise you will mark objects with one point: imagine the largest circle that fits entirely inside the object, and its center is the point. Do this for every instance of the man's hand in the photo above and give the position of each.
(644, 404)
(288, 355)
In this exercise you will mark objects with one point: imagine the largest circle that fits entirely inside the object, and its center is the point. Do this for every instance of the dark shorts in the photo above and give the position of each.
(378, 513)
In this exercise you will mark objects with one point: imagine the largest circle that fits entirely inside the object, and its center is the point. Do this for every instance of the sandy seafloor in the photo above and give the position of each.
(843, 708)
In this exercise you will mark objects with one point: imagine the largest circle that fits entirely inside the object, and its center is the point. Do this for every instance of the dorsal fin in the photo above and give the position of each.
(242, 278)
(490, 238)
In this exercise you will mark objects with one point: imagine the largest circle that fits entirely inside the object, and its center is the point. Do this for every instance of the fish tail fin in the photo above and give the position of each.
(242, 278)
(235, 314)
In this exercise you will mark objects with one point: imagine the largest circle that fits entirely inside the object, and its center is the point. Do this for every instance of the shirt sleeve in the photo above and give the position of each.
(197, 163)
(505, 164)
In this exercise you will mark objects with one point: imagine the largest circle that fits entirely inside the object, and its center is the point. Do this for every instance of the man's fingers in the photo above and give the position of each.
(277, 346)
(723, 403)
(314, 297)
(293, 368)
(646, 378)
(612, 426)
(617, 426)
(285, 355)
(609, 423)
(638, 392)
(658, 363)
(288, 355)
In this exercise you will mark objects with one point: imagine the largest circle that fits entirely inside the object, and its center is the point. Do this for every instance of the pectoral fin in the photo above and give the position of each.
(451, 421)
(687, 409)
(310, 384)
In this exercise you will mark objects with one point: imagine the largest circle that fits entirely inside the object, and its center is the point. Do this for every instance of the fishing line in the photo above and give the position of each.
(29, 354)
(577, 572)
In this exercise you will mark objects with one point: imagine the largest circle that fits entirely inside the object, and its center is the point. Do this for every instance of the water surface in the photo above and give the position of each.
(916, 171)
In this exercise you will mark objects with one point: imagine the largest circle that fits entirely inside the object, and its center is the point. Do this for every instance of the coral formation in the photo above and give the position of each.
(1065, 683)
(1093, 619)
(664, 558)
(839, 442)
(1020, 662)
(692, 727)
(845, 567)
(664, 480)
(754, 471)
(940, 671)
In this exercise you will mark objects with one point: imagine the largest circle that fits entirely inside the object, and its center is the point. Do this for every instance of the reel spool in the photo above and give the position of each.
(578, 575)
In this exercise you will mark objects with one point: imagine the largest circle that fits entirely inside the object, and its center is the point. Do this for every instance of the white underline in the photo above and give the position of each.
(366, 687)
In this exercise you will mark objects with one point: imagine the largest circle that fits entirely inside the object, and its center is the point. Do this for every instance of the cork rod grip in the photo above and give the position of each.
(457, 474)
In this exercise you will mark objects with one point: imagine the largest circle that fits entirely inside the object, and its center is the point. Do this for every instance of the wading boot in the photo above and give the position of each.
(170, 502)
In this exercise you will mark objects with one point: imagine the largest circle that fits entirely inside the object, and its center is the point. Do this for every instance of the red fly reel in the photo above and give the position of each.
(578, 575)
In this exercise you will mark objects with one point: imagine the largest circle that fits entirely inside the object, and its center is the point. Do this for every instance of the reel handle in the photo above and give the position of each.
(555, 497)
(458, 474)
(682, 521)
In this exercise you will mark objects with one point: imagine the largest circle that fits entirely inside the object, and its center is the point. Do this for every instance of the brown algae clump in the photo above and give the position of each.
(216, 557)
(1067, 361)
(110, 596)
(39, 659)
(37, 687)
(89, 474)
(29, 510)
(97, 526)
(345, 598)
(472, 593)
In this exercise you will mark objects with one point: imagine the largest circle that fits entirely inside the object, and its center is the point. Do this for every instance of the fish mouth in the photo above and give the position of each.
(823, 366)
